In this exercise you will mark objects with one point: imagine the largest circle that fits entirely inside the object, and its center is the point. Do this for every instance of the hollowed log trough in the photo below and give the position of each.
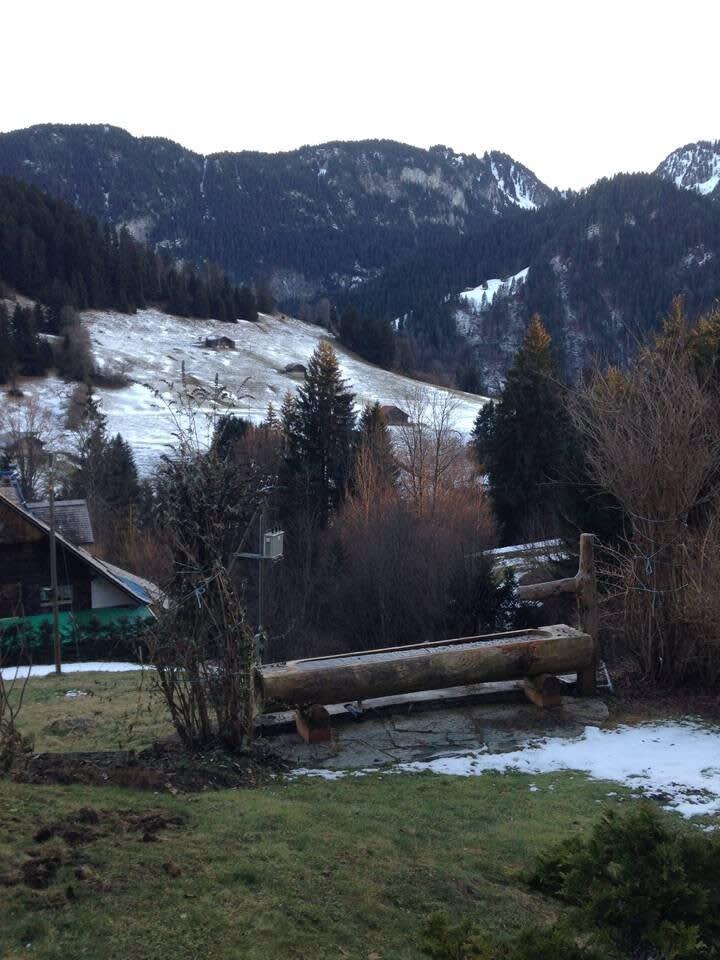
(365, 675)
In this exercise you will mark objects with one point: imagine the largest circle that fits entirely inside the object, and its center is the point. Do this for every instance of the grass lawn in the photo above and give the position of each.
(307, 869)
(119, 712)
(301, 869)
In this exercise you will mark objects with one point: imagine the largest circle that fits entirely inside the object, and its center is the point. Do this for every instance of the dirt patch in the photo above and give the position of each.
(56, 855)
(88, 824)
(162, 768)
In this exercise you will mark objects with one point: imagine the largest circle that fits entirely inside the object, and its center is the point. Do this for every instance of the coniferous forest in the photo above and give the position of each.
(52, 253)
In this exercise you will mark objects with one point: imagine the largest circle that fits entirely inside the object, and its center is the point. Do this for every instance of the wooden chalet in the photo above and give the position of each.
(89, 591)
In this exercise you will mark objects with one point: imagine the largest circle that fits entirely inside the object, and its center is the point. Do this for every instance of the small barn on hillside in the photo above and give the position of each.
(394, 416)
(220, 343)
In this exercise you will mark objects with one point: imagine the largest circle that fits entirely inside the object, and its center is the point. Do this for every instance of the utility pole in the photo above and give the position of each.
(53, 573)
(270, 547)
(261, 552)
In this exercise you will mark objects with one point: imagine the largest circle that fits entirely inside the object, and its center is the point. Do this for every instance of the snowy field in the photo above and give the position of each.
(152, 347)
(675, 762)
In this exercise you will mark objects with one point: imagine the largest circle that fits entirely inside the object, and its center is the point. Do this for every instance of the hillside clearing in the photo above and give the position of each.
(153, 348)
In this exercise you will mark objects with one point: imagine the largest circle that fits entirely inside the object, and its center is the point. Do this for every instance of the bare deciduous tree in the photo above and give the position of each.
(653, 442)
(431, 453)
(30, 434)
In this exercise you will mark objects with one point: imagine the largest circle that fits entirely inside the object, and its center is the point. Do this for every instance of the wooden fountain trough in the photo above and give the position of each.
(514, 655)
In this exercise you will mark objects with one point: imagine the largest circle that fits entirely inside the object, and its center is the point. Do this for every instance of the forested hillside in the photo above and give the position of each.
(314, 220)
(604, 266)
(51, 252)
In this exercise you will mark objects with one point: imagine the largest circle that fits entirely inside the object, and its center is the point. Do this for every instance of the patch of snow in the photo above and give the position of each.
(707, 186)
(139, 228)
(677, 762)
(481, 297)
(515, 191)
(43, 670)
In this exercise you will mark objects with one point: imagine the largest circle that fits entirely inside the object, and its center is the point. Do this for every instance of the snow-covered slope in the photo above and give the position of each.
(482, 296)
(695, 166)
(152, 347)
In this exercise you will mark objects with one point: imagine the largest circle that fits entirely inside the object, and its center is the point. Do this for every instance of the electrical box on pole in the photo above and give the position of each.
(273, 544)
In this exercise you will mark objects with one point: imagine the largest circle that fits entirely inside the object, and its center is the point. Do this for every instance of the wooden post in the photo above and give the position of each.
(57, 649)
(588, 611)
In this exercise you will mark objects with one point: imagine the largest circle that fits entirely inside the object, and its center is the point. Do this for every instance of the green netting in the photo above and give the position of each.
(90, 630)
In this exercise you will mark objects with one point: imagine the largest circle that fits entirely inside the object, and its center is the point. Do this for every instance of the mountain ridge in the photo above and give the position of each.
(315, 219)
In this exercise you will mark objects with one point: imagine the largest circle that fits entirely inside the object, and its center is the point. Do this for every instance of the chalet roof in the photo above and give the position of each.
(394, 415)
(134, 591)
(72, 519)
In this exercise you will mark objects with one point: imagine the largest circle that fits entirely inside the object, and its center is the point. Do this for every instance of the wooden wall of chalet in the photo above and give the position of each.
(25, 568)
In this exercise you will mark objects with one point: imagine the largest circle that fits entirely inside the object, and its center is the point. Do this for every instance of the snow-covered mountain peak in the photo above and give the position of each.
(696, 166)
(516, 184)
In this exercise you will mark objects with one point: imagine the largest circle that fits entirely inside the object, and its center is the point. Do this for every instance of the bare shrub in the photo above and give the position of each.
(75, 359)
(202, 647)
(653, 442)
(396, 574)
(12, 693)
(112, 377)
(202, 650)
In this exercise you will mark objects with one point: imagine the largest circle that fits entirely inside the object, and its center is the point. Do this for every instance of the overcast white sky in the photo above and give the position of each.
(575, 90)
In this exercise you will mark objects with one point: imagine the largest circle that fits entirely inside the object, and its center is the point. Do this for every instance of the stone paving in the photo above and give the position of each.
(411, 733)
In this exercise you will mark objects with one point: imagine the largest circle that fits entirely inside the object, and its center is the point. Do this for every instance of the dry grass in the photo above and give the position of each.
(118, 711)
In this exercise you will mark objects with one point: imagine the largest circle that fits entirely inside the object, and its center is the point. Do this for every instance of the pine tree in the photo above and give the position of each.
(118, 486)
(522, 440)
(318, 426)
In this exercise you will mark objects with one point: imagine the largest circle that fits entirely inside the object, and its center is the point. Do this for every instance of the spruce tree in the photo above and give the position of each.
(318, 426)
(118, 486)
(522, 440)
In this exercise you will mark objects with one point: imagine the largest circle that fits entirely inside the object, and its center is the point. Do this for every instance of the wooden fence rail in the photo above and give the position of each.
(584, 586)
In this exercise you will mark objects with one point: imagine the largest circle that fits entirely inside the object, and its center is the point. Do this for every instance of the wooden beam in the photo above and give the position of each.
(551, 588)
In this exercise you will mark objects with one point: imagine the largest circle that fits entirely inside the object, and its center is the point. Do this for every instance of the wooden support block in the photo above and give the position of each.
(313, 724)
(543, 691)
